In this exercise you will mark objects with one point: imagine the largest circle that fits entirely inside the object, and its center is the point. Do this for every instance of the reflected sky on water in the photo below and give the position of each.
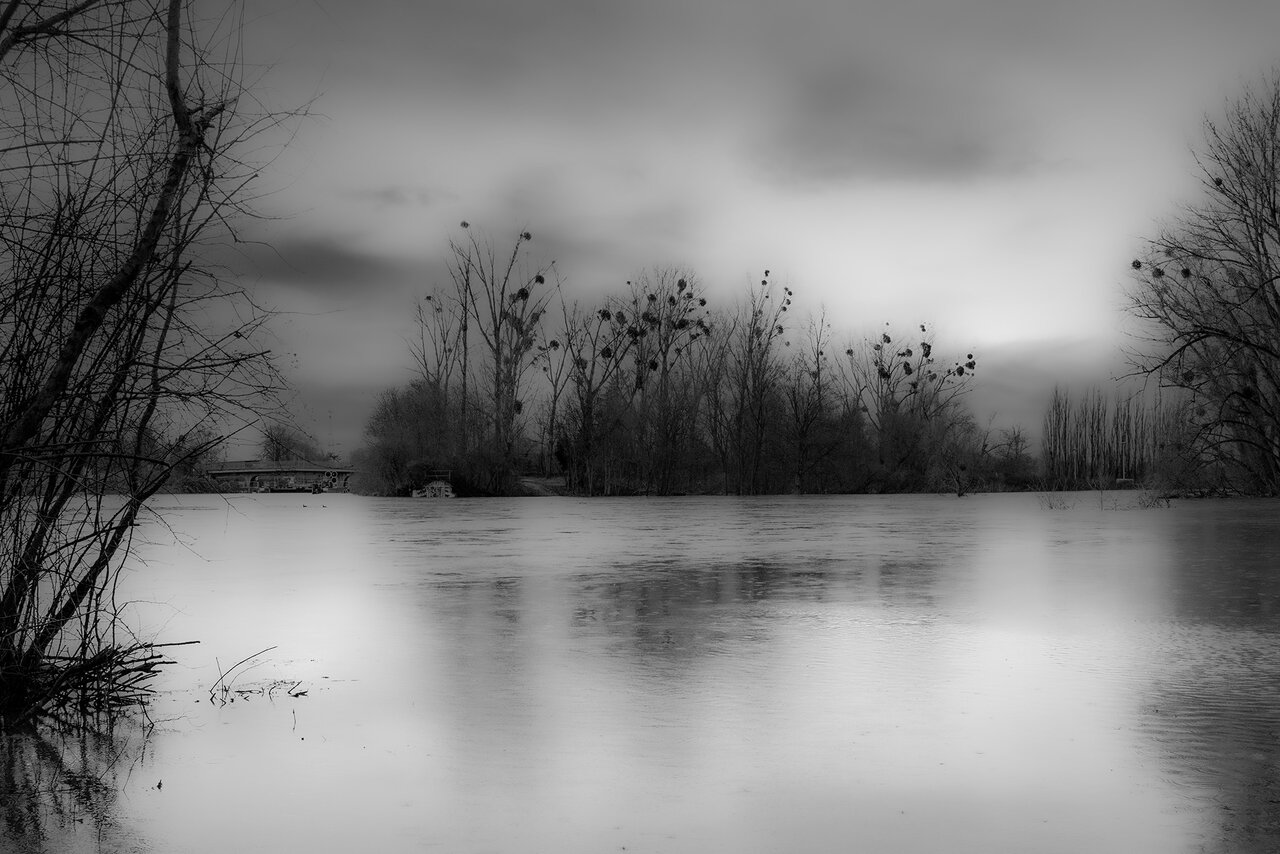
(911, 673)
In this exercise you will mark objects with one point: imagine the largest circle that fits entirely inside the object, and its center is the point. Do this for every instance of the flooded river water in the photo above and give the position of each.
(786, 674)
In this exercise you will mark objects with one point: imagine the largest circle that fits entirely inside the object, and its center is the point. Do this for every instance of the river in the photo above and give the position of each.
(998, 673)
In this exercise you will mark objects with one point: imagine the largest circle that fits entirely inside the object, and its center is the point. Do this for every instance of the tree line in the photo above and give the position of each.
(654, 389)
(1098, 440)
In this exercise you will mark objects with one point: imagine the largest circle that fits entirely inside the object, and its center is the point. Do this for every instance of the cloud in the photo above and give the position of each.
(397, 196)
(842, 120)
(329, 267)
(1015, 381)
(476, 47)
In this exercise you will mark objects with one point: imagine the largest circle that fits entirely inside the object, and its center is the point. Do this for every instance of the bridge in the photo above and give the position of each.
(281, 476)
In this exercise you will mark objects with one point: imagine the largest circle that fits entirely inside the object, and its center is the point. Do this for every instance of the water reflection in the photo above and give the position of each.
(673, 610)
(1226, 563)
(679, 611)
(1214, 713)
(898, 674)
(1214, 703)
(59, 788)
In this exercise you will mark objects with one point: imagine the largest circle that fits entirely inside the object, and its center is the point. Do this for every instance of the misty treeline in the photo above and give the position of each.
(125, 355)
(654, 389)
(1097, 440)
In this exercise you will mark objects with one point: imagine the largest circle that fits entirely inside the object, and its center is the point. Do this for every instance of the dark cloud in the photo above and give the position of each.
(597, 240)
(845, 120)
(478, 46)
(335, 412)
(1015, 381)
(598, 263)
(627, 135)
(328, 268)
(400, 196)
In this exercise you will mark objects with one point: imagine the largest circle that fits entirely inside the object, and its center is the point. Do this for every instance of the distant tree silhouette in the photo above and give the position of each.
(477, 343)
(646, 390)
(503, 301)
(598, 345)
(913, 406)
(281, 442)
(666, 313)
(813, 431)
(745, 408)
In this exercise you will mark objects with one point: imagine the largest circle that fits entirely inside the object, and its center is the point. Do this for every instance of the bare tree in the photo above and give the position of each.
(753, 381)
(118, 355)
(281, 442)
(439, 353)
(556, 368)
(809, 397)
(911, 403)
(1096, 440)
(438, 350)
(1015, 467)
(598, 345)
(1206, 292)
(503, 303)
(668, 312)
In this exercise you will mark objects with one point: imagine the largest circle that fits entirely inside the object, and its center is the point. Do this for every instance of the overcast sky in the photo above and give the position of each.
(985, 166)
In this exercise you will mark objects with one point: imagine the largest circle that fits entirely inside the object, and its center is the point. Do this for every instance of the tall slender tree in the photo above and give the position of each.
(668, 313)
(809, 397)
(598, 345)
(503, 301)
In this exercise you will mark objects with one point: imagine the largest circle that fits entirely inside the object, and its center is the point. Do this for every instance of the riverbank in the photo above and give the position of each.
(542, 486)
